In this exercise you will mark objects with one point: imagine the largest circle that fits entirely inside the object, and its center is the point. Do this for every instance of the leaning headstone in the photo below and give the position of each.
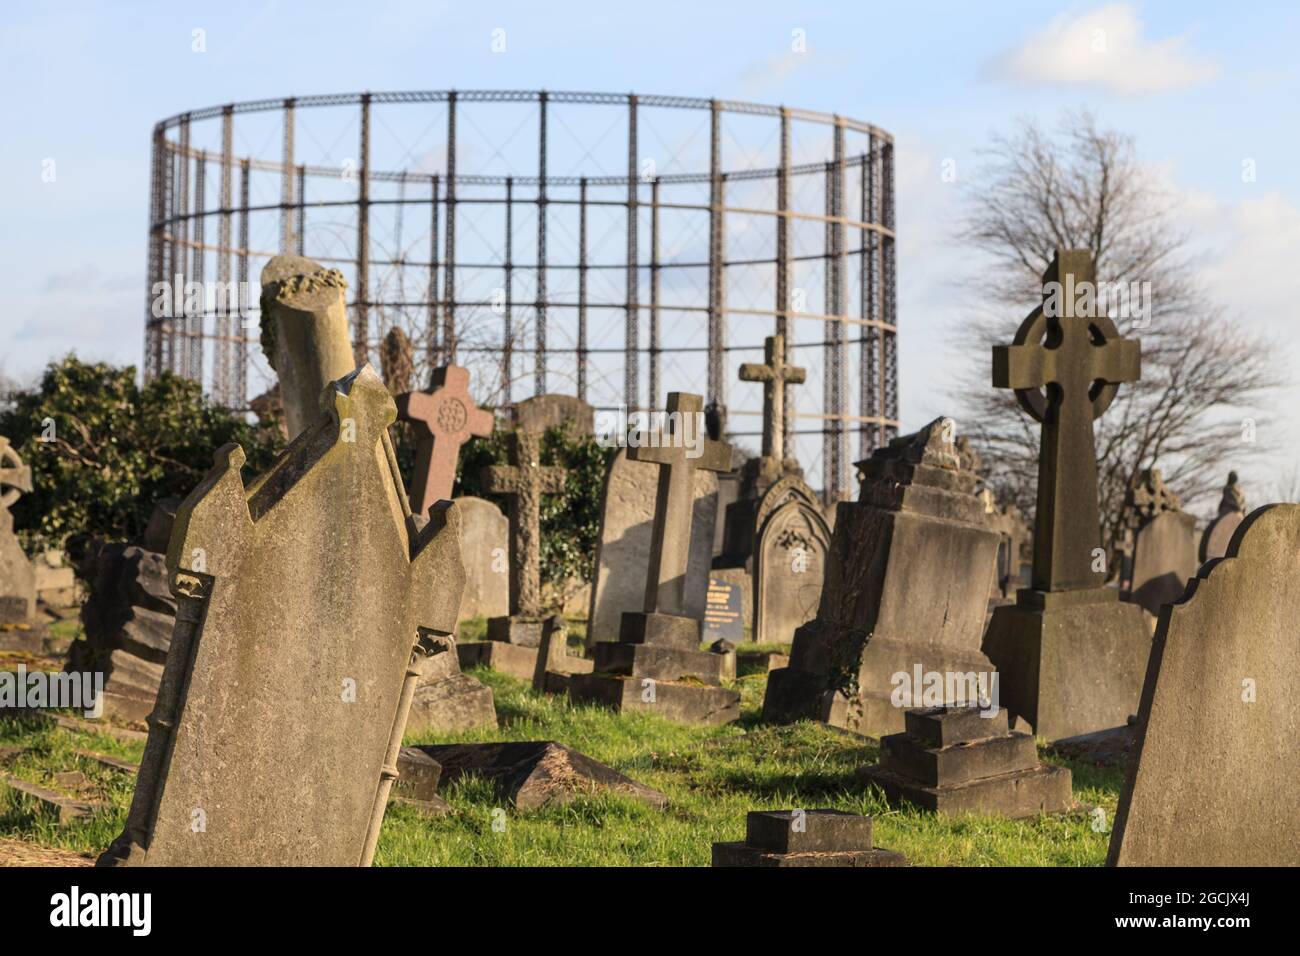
(807, 838)
(1163, 549)
(485, 546)
(906, 590)
(656, 664)
(546, 411)
(305, 602)
(445, 700)
(537, 773)
(627, 516)
(1212, 779)
(17, 576)
(789, 565)
(1069, 654)
(1232, 510)
(304, 329)
(523, 482)
(444, 418)
(959, 760)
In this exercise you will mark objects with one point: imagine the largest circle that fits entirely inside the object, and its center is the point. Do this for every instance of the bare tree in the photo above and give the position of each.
(1204, 377)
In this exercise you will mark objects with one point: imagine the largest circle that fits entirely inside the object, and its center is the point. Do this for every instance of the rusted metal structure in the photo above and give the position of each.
(571, 264)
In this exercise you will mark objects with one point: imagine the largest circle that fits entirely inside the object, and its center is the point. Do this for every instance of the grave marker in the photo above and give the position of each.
(444, 418)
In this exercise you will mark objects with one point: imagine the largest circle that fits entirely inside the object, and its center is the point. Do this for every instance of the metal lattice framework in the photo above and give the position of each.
(664, 273)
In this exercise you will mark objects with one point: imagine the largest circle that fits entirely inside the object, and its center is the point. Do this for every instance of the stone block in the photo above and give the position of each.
(680, 703)
(513, 660)
(661, 663)
(666, 630)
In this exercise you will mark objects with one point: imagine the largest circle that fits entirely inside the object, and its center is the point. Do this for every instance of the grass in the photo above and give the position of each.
(712, 777)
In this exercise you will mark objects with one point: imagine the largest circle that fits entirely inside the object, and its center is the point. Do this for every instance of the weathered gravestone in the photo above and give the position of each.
(304, 334)
(444, 418)
(789, 566)
(541, 412)
(303, 601)
(485, 547)
(959, 760)
(1069, 654)
(1160, 551)
(1006, 520)
(445, 700)
(1232, 510)
(722, 615)
(17, 576)
(1212, 779)
(906, 592)
(806, 838)
(523, 482)
(623, 548)
(656, 664)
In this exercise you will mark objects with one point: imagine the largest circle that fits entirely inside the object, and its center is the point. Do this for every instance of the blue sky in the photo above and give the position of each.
(1202, 86)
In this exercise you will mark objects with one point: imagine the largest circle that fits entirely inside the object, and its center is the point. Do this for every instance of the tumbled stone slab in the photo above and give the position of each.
(300, 602)
(680, 703)
(536, 773)
(62, 807)
(1212, 780)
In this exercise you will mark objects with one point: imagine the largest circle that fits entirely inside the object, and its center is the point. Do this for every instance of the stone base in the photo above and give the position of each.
(509, 659)
(521, 631)
(964, 760)
(666, 630)
(1069, 662)
(24, 638)
(740, 854)
(679, 703)
(451, 704)
(661, 663)
(805, 838)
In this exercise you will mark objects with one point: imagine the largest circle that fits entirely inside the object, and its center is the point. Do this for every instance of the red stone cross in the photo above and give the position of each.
(444, 418)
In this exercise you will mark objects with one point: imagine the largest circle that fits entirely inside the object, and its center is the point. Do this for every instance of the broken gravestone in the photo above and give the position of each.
(304, 603)
(1070, 655)
(1232, 510)
(806, 838)
(1212, 777)
(906, 592)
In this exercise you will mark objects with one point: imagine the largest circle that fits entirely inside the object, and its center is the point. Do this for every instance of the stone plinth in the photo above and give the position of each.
(445, 700)
(811, 838)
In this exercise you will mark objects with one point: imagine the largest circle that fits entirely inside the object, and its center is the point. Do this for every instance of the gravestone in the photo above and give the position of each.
(964, 760)
(17, 576)
(722, 615)
(789, 565)
(305, 601)
(906, 590)
(1212, 778)
(1069, 654)
(541, 412)
(1010, 526)
(656, 664)
(397, 362)
(1232, 510)
(523, 482)
(304, 332)
(485, 547)
(445, 700)
(806, 838)
(444, 418)
(555, 665)
(623, 548)
(1160, 543)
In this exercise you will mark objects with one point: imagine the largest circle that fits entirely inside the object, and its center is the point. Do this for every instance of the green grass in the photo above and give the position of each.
(712, 777)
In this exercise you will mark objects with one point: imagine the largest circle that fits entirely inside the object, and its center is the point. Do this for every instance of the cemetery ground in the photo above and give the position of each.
(711, 776)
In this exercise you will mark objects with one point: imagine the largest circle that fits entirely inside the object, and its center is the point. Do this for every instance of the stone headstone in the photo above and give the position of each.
(523, 482)
(17, 576)
(958, 760)
(806, 838)
(722, 614)
(485, 546)
(656, 664)
(1212, 779)
(1232, 510)
(623, 548)
(397, 362)
(1006, 520)
(790, 562)
(444, 418)
(1069, 654)
(304, 334)
(906, 588)
(1159, 546)
(546, 411)
(304, 601)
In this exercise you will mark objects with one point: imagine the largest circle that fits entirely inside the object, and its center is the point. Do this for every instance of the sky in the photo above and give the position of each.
(1206, 89)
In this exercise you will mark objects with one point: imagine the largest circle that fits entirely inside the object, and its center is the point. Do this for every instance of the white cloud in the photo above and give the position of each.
(1103, 50)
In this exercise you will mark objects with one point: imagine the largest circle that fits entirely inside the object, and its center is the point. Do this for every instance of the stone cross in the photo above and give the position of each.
(524, 481)
(1066, 368)
(775, 375)
(15, 477)
(671, 538)
(445, 417)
